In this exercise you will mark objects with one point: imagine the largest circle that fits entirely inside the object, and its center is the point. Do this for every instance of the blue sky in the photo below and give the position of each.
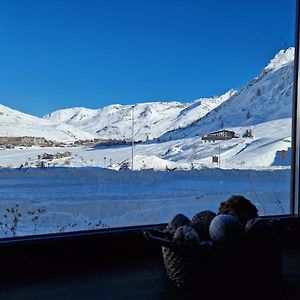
(92, 53)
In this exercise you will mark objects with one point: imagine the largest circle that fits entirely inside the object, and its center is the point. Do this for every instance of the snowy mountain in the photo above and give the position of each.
(268, 97)
(150, 119)
(15, 123)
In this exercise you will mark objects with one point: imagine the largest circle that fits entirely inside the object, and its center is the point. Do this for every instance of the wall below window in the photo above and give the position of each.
(123, 265)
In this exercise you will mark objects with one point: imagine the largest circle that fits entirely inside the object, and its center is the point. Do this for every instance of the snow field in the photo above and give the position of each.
(81, 198)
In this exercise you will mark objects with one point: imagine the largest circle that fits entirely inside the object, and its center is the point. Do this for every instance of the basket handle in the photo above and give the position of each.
(151, 236)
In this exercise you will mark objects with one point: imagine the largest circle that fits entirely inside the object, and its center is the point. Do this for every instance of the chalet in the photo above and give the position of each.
(45, 156)
(220, 135)
(57, 155)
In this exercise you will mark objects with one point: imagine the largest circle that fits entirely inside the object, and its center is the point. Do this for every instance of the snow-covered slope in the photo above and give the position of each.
(270, 138)
(15, 123)
(142, 162)
(268, 97)
(150, 119)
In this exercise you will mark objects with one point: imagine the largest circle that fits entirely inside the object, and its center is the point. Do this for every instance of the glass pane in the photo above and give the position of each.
(121, 113)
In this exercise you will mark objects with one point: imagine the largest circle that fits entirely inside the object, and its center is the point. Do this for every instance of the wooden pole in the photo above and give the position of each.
(219, 154)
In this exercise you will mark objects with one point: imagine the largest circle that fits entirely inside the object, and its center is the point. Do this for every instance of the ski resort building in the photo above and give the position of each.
(57, 155)
(220, 135)
(45, 156)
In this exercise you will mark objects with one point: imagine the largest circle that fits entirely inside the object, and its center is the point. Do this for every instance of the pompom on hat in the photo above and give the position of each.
(225, 230)
(240, 207)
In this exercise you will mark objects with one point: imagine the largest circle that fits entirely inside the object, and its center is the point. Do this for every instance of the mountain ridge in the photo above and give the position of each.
(265, 98)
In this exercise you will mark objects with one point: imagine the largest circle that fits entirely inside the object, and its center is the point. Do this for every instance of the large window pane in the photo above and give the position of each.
(126, 113)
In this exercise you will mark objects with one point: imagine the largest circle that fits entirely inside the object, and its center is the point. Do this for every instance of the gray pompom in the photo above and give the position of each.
(185, 236)
(225, 230)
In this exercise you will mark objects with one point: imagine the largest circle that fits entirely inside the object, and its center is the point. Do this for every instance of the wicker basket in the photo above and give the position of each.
(182, 263)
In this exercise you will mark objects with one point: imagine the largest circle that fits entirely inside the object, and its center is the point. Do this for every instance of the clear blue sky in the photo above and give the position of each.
(92, 53)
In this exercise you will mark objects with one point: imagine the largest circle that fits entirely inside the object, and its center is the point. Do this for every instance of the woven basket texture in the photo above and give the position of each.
(181, 265)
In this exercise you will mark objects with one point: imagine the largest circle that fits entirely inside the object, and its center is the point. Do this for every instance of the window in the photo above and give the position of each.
(296, 156)
(126, 113)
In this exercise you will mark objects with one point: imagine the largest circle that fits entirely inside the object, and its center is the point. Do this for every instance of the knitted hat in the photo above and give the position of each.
(201, 222)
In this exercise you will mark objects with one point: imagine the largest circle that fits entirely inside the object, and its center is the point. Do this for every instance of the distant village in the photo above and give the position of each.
(10, 142)
(46, 159)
